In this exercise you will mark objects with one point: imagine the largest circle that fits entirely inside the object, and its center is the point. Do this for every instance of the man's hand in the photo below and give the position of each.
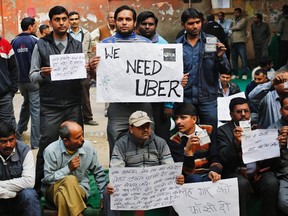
(214, 176)
(184, 80)
(191, 145)
(237, 133)
(93, 63)
(180, 180)
(45, 71)
(110, 189)
(280, 78)
(283, 137)
(221, 49)
(74, 163)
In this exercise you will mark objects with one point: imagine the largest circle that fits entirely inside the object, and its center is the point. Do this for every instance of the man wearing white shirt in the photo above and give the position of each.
(17, 175)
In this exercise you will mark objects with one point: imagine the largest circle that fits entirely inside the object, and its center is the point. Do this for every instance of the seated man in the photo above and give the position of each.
(191, 145)
(140, 147)
(256, 177)
(66, 181)
(17, 174)
(266, 63)
(282, 163)
(226, 87)
(265, 98)
(260, 77)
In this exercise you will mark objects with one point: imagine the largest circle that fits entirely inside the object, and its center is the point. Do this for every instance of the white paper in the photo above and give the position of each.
(209, 199)
(220, 3)
(259, 145)
(223, 106)
(144, 188)
(139, 72)
(68, 66)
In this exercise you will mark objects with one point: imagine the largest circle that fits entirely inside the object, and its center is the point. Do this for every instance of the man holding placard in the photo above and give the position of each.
(255, 176)
(118, 113)
(139, 147)
(60, 100)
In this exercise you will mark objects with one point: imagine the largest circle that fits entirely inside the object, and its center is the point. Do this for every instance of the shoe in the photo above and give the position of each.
(234, 77)
(105, 113)
(91, 122)
(244, 77)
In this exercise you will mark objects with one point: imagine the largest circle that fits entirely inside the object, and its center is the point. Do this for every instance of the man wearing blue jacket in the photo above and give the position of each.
(23, 45)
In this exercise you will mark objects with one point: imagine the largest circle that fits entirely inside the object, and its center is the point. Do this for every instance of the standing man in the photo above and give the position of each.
(238, 43)
(44, 30)
(106, 30)
(118, 113)
(67, 161)
(146, 25)
(201, 67)
(23, 46)
(8, 81)
(59, 100)
(226, 24)
(84, 37)
(260, 36)
(17, 175)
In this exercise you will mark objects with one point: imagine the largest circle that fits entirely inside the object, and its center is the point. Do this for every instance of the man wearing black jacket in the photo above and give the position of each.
(60, 100)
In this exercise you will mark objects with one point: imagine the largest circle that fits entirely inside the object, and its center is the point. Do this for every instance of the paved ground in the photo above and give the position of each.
(95, 134)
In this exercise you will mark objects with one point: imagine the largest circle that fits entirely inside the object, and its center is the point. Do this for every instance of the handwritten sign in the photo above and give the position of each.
(144, 188)
(68, 66)
(209, 199)
(223, 106)
(139, 72)
(259, 145)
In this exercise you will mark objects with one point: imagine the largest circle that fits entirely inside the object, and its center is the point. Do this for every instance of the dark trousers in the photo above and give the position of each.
(161, 123)
(50, 120)
(86, 105)
(266, 188)
(25, 203)
(283, 52)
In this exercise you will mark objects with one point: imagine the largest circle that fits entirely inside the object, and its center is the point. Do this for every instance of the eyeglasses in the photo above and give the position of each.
(241, 111)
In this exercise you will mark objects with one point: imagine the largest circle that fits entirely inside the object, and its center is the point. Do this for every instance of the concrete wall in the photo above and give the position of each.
(93, 13)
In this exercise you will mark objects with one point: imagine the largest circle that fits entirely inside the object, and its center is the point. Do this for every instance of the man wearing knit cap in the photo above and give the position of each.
(192, 146)
(139, 147)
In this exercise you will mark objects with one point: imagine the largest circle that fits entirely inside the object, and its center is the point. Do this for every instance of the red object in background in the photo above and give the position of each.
(31, 12)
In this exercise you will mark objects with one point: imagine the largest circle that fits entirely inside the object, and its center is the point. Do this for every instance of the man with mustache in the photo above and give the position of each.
(59, 100)
(254, 177)
(66, 182)
(17, 175)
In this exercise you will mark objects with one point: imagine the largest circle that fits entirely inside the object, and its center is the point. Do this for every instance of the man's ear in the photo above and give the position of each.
(130, 129)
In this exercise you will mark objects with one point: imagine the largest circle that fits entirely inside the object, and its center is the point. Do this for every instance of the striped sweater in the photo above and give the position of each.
(204, 160)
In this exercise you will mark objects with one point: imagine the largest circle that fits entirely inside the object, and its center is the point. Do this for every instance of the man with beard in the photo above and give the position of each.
(61, 100)
(118, 113)
(17, 175)
(65, 182)
(256, 177)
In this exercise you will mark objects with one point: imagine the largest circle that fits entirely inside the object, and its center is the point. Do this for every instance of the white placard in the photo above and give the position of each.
(259, 145)
(209, 199)
(144, 188)
(68, 66)
(220, 4)
(223, 106)
(139, 72)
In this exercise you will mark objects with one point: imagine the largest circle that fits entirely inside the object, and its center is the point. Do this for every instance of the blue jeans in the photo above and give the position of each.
(30, 107)
(25, 203)
(7, 110)
(239, 49)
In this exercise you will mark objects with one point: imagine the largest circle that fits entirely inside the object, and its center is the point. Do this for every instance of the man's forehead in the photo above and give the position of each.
(60, 15)
(241, 106)
(125, 13)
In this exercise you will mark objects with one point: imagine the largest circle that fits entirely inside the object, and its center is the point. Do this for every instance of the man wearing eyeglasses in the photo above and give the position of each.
(17, 175)
(254, 177)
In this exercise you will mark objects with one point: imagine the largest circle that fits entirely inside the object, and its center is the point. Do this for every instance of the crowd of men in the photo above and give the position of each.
(61, 108)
